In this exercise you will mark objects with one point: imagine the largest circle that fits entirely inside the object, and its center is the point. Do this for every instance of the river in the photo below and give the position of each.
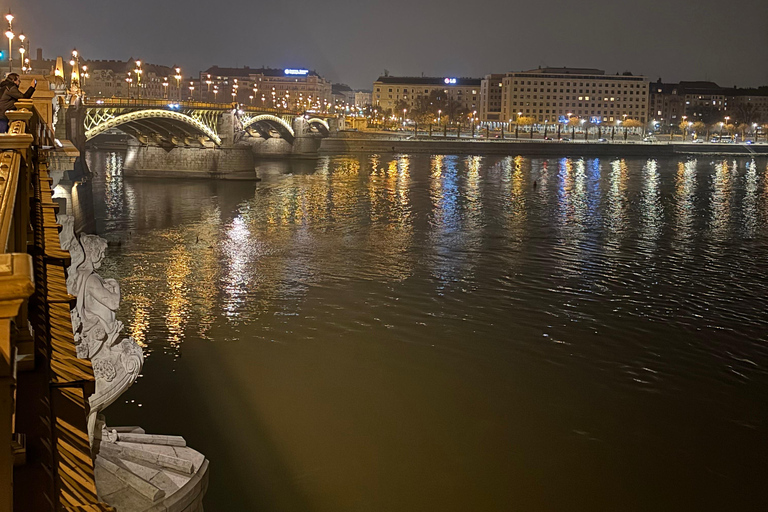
(451, 333)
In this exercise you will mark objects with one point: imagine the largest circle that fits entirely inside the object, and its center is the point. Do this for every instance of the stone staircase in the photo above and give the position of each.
(140, 472)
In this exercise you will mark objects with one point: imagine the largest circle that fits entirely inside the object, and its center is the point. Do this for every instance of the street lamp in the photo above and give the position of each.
(215, 92)
(177, 76)
(138, 72)
(191, 90)
(9, 34)
(22, 51)
(165, 87)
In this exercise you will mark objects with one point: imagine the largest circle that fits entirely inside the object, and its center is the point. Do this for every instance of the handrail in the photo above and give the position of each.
(154, 102)
(167, 103)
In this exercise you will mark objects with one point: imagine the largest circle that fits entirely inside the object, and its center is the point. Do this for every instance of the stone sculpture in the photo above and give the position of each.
(135, 471)
(116, 363)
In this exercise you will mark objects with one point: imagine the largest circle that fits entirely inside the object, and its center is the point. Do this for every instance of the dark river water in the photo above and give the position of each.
(452, 333)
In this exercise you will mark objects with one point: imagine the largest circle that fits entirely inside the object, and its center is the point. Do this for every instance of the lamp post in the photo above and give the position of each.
(75, 75)
(215, 93)
(517, 125)
(9, 34)
(22, 51)
(165, 87)
(191, 90)
(138, 72)
(177, 76)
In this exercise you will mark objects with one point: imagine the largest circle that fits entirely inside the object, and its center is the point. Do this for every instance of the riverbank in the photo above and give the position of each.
(534, 148)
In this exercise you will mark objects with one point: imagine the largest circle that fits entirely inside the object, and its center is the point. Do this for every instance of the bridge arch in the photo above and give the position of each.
(151, 119)
(273, 122)
(321, 125)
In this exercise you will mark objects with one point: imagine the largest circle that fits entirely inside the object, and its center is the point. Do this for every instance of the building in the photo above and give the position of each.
(666, 104)
(491, 92)
(389, 92)
(343, 95)
(362, 98)
(706, 102)
(279, 88)
(556, 94)
(129, 79)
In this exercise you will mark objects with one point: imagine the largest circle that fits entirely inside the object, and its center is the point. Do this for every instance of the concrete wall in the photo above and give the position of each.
(183, 162)
(564, 149)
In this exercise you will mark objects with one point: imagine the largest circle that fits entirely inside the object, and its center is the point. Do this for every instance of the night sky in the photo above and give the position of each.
(353, 41)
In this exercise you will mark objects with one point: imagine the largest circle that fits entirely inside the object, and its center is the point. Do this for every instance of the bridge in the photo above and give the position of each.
(195, 139)
(187, 123)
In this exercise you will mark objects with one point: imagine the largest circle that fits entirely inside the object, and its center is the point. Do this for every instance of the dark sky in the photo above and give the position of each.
(353, 41)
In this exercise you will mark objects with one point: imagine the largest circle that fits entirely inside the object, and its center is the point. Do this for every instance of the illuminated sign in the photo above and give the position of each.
(595, 119)
(562, 119)
(300, 72)
(449, 81)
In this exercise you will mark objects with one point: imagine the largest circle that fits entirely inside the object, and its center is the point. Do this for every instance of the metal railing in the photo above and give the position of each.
(161, 103)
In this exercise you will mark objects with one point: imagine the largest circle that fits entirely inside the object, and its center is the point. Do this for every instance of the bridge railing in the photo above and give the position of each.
(45, 459)
(162, 103)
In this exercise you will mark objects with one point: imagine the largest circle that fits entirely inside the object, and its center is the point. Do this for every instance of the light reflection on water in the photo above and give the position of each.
(532, 331)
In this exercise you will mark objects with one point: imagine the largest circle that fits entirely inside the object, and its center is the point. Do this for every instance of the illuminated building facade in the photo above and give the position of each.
(288, 88)
(388, 91)
(555, 94)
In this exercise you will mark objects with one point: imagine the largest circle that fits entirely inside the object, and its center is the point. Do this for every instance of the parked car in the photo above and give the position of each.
(565, 139)
(650, 138)
(602, 140)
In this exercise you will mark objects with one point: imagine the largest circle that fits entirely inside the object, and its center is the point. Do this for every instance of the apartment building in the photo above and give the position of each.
(294, 88)
(555, 94)
(389, 90)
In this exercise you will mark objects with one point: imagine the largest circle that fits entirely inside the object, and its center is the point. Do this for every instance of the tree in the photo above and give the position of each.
(698, 128)
(428, 108)
(527, 121)
(631, 124)
(573, 122)
(683, 127)
(747, 113)
(401, 109)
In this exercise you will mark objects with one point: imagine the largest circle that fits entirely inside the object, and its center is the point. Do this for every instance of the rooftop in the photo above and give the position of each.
(428, 80)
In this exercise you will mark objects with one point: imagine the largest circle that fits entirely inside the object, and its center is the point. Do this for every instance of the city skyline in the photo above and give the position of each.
(355, 44)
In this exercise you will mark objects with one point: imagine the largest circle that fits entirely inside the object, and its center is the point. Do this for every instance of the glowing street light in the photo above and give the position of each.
(191, 90)
(177, 76)
(10, 35)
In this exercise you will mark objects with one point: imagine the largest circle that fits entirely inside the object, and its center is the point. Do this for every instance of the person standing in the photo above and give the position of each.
(10, 95)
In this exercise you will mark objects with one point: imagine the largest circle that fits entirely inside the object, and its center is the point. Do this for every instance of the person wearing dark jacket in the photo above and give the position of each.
(10, 94)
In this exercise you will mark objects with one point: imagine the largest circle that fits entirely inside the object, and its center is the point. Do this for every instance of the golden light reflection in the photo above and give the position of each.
(651, 210)
(391, 233)
(720, 199)
(206, 263)
(618, 204)
(750, 200)
(178, 305)
(685, 188)
(139, 325)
